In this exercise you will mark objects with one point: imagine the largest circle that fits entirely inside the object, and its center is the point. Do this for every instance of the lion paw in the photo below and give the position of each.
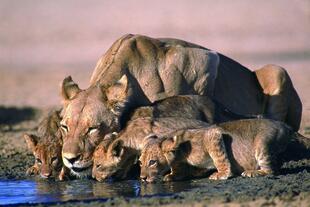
(220, 176)
(255, 173)
(33, 171)
(62, 176)
(168, 178)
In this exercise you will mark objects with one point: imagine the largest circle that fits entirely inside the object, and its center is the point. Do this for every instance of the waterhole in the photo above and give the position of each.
(45, 191)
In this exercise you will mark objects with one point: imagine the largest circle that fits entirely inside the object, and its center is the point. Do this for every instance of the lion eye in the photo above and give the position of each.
(152, 162)
(91, 130)
(98, 167)
(64, 127)
(54, 159)
(38, 161)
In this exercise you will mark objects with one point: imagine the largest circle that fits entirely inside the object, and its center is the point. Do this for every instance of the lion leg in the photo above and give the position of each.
(173, 81)
(264, 159)
(173, 176)
(64, 173)
(215, 146)
(126, 171)
(177, 173)
(33, 170)
(281, 99)
(275, 84)
(294, 110)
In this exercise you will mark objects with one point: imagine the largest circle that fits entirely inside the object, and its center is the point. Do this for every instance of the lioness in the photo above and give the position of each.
(46, 147)
(117, 158)
(247, 147)
(138, 70)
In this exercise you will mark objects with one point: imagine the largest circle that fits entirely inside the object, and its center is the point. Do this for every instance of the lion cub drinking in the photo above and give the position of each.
(46, 147)
(247, 147)
(118, 153)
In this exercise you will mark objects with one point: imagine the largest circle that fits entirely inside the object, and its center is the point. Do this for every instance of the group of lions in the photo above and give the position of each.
(167, 110)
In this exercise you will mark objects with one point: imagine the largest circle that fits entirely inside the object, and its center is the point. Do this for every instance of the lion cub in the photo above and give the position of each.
(247, 147)
(177, 112)
(118, 153)
(46, 147)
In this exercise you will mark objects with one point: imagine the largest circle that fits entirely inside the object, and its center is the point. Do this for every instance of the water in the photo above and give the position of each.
(44, 191)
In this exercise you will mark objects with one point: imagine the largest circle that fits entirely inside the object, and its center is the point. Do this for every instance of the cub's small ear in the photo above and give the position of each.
(118, 92)
(117, 95)
(31, 140)
(108, 140)
(167, 145)
(69, 88)
(117, 149)
(111, 136)
(177, 140)
(54, 121)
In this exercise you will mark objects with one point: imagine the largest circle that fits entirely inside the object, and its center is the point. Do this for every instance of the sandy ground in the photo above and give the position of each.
(41, 43)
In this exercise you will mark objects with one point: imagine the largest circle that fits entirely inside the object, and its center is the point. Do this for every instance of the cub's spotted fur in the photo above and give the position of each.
(46, 148)
(244, 147)
(120, 154)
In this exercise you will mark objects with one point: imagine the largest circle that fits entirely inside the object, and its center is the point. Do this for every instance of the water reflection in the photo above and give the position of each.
(42, 191)
(130, 188)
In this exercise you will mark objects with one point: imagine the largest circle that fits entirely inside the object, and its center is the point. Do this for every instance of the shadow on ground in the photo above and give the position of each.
(14, 115)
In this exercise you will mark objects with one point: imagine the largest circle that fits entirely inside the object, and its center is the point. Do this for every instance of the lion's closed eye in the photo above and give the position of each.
(38, 160)
(99, 167)
(92, 130)
(152, 162)
(64, 128)
(54, 160)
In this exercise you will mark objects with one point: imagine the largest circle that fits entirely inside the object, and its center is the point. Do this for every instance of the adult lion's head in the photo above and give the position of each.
(87, 116)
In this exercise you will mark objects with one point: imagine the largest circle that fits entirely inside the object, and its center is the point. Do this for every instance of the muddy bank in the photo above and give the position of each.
(14, 155)
(290, 188)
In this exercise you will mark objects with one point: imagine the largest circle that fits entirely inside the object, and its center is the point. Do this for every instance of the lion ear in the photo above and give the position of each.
(54, 121)
(31, 140)
(177, 140)
(117, 95)
(118, 92)
(117, 149)
(172, 143)
(167, 145)
(69, 88)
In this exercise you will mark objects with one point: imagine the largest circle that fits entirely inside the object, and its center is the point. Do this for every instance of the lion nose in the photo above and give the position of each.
(46, 174)
(143, 178)
(72, 160)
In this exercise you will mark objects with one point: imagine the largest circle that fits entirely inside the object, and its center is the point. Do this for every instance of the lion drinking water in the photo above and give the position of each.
(139, 70)
(46, 147)
(245, 147)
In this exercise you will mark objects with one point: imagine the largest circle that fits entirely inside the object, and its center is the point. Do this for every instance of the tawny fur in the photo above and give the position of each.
(46, 148)
(117, 156)
(138, 70)
(245, 147)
